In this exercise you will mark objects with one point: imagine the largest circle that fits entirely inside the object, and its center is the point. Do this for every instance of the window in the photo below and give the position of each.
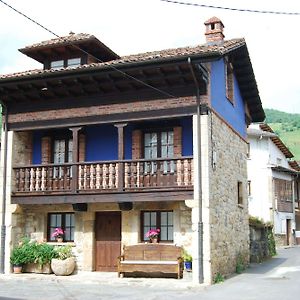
(66, 221)
(283, 190)
(229, 81)
(62, 151)
(159, 145)
(240, 193)
(57, 64)
(73, 62)
(249, 188)
(162, 220)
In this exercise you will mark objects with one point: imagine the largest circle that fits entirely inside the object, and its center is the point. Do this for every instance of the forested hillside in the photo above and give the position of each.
(287, 126)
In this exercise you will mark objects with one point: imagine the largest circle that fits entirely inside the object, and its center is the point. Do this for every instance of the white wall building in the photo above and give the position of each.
(271, 182)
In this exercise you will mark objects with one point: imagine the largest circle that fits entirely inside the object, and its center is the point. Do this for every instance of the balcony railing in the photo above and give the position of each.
(108, 176)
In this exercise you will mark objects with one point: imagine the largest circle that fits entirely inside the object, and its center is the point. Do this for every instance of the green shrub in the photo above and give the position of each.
(63, 252)
(32, 252)
(239, 265)
(271, 242)
(186, 256)
(219, 278)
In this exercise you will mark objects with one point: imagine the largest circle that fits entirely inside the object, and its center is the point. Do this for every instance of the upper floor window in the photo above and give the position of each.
(71, 62)
(57, 64)
(229, 81)
(162, 220)
(159, 145)
(62, 151)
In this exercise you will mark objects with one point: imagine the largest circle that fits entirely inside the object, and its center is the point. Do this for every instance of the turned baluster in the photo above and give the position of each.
(93, 177)
(50, 178)
(32, 179)
(38, 179)
(68, 178)
(17, 183)
(80, 177)
(127, 176)
(55, 178)
(22, 180)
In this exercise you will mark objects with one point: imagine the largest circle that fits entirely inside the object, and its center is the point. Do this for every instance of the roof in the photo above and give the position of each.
(277, 141)
(202, 50)
(235, 48)
(84, 41)
(284, 170)
(74, 38)
(294, 164)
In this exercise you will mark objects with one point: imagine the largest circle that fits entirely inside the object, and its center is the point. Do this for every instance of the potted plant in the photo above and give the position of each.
(18, 259)
(188, 259)
(58, 234)
(64, 262)
(35, 256)
(152, 235)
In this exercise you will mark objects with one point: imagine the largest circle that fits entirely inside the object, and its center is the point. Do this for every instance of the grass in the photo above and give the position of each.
(290, 138)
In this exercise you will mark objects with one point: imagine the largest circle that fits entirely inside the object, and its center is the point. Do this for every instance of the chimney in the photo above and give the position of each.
(214, 31)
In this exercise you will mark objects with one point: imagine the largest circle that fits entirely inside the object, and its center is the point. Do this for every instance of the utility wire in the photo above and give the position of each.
(84, 51)
(234, 9)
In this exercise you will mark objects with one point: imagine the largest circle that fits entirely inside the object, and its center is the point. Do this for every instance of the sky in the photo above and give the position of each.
(135, 26)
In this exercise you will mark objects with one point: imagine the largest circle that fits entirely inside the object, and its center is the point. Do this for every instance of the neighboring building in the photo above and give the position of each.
(107, 147)
(272, 181)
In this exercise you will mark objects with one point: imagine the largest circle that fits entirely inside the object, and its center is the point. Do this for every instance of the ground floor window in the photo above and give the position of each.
(162, 220)
(66, 221)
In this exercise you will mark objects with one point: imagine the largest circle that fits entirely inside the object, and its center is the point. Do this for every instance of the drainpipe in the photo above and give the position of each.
(3, 226)
(199, 177)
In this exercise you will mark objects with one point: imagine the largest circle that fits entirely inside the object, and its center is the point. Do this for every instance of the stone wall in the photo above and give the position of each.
(31, 221)
(229, 225)
(259, 249)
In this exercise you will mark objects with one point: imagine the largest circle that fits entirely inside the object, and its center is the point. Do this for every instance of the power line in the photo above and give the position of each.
(84, 51)
(234, 9)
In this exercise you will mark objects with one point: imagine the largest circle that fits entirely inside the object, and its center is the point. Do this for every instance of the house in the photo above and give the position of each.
(273, 187)
(107, 147)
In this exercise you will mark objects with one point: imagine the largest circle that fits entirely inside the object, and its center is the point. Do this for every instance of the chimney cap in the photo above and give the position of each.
(213, 20)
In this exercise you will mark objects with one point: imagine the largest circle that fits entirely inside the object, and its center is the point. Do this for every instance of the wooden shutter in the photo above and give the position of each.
(46, 150)
(81, 147)
(137, 144)
(177, 141)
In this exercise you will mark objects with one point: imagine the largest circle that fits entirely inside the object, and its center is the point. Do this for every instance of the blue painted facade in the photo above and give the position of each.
(233, 114)
(102, 141)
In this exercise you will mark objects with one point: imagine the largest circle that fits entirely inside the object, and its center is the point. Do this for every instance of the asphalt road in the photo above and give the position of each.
(275, 279)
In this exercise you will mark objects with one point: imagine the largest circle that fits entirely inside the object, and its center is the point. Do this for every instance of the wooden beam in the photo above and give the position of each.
(105, 197)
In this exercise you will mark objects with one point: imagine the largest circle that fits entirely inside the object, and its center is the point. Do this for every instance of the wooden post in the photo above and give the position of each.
(121, 155)
(74, 184)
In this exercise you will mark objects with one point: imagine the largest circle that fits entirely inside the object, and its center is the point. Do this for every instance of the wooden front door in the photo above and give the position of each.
(108, 240)
(288, 231)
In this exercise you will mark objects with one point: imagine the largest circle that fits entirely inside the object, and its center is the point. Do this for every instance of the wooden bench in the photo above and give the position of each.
(151, 259)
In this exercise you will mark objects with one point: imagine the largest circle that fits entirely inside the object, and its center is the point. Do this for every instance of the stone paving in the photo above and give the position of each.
(275, 279)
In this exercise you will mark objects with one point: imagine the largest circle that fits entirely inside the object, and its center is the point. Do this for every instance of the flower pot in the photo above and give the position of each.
(17, 269)
(188, 266)
(63, 267)
(59, 239)
(154, 240)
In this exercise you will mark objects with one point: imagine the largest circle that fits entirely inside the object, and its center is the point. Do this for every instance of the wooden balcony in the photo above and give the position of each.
(104, 177)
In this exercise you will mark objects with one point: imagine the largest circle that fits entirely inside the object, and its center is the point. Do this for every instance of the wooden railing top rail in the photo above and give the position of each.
(101, 162)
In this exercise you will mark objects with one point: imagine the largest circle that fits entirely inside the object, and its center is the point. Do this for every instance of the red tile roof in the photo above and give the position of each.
(204, 50)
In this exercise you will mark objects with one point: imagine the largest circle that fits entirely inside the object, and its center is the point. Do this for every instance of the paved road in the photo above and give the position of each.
(276, 279)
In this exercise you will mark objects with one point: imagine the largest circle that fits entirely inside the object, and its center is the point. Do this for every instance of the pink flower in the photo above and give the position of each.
(58, 232)
(152, 233)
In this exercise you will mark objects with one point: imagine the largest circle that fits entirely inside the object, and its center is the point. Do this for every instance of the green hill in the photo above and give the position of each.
(287, 126)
